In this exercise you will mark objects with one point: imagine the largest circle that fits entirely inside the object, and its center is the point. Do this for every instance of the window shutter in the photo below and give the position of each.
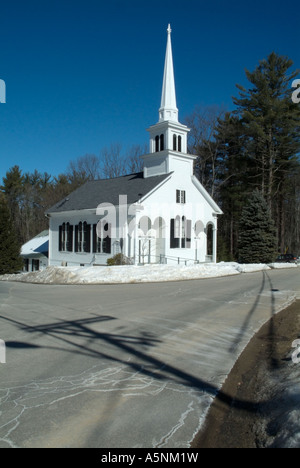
(188, 233)
(87, 237)
(94, 238)
(172, 229)
(177, 196)
(174, 234)
(70, 239)
(76, 238)
(108, 245)
(60, 239)
(106, 239)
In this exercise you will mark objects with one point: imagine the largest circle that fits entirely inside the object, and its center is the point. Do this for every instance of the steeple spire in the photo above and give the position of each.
(168, 109)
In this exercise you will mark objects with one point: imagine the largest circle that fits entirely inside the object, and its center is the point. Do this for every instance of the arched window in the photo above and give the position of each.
(162, 142)
(180, 144)
(66, 238)
(209, 242)
(181, 233)
(157, 144)
(145, 225)
(82, 237)
(174, 143)
(101, 238)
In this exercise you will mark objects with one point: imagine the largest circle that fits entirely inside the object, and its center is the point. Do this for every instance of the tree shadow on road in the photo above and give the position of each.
(85, 336)
(266, 280)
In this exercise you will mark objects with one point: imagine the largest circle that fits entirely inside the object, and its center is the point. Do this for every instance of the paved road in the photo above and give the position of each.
(125, 365)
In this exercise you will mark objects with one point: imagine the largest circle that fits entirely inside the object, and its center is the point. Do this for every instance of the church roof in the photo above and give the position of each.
(93, 193)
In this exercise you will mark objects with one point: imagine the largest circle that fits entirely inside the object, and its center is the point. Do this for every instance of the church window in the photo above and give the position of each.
(65, 238)
(157, 144)
(83, 237)
(174, 234)
(162, 142)
(179, 143)
(174, 143)
(180, 196)
(101, 238)
(183, 232)
(180, 233)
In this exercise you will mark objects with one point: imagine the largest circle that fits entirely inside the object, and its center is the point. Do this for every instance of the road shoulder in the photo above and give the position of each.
(240, 419)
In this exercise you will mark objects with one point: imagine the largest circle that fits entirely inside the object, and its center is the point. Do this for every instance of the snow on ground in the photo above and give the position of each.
(283, 428)
(138, 274)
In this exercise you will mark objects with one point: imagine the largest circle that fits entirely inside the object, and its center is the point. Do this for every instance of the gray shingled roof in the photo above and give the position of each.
(91, 194)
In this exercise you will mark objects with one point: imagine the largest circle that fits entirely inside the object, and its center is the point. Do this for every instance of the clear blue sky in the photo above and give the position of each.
(81, 75)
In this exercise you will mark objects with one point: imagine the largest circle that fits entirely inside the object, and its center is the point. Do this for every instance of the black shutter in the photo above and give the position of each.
(174, 241)
(106, 244)
(94, 238)
(177, 196)
(70, 239)
(87, 237)
(76, 238)
(60, 238)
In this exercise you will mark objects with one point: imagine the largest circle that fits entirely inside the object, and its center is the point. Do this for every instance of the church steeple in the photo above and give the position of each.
(168, 108)
(168, 137)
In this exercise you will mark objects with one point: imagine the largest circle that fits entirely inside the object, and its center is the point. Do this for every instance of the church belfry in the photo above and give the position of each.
(168, 138)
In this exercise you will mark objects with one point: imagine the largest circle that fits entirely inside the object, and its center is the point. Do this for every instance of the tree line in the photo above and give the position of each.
(253, 148)
(29, 195)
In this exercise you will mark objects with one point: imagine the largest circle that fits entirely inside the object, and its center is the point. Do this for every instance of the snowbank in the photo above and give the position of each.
(137, 274)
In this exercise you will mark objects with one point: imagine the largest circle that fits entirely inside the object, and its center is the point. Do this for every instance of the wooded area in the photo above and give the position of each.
(255, 147)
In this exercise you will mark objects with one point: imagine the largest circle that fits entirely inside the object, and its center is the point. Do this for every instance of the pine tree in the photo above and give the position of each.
(10, 260)
(271, 123)
(233, 182)
(257, 232)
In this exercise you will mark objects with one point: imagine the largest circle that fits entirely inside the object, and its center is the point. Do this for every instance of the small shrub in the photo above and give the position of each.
(119, 259)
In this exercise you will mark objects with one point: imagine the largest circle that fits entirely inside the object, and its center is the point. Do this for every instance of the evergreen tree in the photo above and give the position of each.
(10, 260)
(257, 232)
(271, 123)
(233, 182)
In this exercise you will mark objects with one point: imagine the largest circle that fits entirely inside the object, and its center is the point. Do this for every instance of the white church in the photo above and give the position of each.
(160, 215)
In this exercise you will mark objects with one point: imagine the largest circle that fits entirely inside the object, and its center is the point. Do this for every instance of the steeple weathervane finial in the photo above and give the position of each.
(168, 109)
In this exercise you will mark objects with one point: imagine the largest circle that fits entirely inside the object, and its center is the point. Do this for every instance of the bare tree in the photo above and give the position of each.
(113, 163)
(202, 143)
(134, 162)
(84, 168)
